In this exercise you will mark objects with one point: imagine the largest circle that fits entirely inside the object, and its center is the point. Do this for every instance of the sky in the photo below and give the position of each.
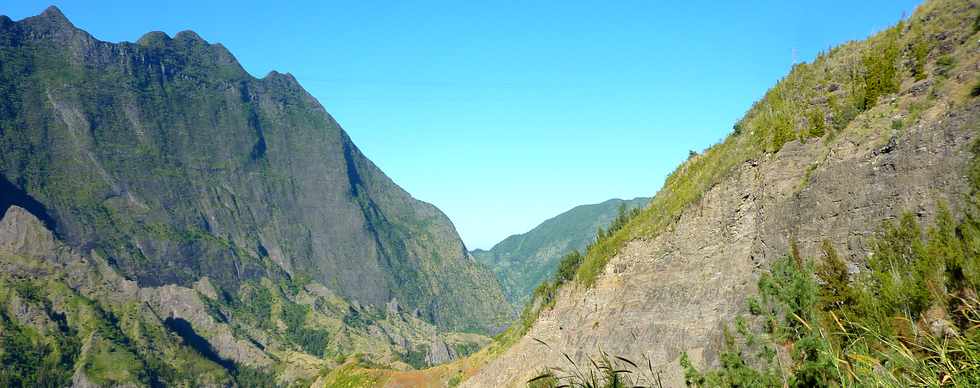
(506, 113)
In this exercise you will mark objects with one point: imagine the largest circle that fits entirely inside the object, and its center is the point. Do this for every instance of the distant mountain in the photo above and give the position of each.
(168, 163)
(522, 261)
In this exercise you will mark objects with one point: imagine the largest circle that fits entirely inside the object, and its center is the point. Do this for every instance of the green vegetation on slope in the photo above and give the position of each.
(111, 344)
(522, 261)
(57, 319)
(546, 293)
(31, 358)
(911, 320)
(815, 100)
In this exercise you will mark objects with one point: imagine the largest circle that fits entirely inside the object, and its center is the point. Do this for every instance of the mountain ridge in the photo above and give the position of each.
(276, 142)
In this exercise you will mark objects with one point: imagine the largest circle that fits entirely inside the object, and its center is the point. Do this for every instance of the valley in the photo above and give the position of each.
(167, 219)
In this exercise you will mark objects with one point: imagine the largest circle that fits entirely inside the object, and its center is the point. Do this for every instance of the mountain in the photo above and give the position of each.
(168, 219)
(522, 261)
(69, 318)
(844, 162)
(172, 162)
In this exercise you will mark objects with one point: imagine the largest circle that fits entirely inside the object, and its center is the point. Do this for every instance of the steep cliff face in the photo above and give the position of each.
(170, 161)
(679, 280)
(522, 261)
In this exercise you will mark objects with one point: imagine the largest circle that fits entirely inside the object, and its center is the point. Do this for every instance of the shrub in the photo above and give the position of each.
(870, 331)
(920, 55)
(897, 124)
(836, 291)
(944, 65)
(880, 69)
(737, 128)
(312, 341)
(567, 267)
(816, 120)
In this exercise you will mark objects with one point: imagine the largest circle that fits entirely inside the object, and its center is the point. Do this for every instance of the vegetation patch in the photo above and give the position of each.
(911, 320)
(351, 375)
(818, 99)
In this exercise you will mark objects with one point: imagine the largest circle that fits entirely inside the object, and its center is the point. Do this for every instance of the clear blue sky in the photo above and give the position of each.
(505, 113)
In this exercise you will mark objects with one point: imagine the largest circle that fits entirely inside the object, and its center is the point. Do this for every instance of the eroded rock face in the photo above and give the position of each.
(28, 314)
(124, 158)
(439, 352)
(21, 232)
(23, 235)
(178, 302)
(676, 292)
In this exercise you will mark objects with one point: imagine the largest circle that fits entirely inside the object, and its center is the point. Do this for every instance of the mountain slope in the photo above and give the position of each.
(68, 317)
(170, 161)
(522, 261)
(866, 132)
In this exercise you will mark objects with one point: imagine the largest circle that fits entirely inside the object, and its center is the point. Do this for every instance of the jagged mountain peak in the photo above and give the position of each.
(51, 23)
(197, 156)
(54, 15)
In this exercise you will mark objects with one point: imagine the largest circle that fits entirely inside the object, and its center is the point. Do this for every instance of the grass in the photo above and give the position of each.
(352, 376)
(602, 371)
(913, 319)
(112, 364)
(857, 80)
(840, 83)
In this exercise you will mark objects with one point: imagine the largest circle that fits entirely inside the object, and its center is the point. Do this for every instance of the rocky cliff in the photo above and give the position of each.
(866, 132)
(173, 164)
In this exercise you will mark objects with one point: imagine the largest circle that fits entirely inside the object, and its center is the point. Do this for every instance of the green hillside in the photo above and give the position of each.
(522, 261)
(907, 315)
